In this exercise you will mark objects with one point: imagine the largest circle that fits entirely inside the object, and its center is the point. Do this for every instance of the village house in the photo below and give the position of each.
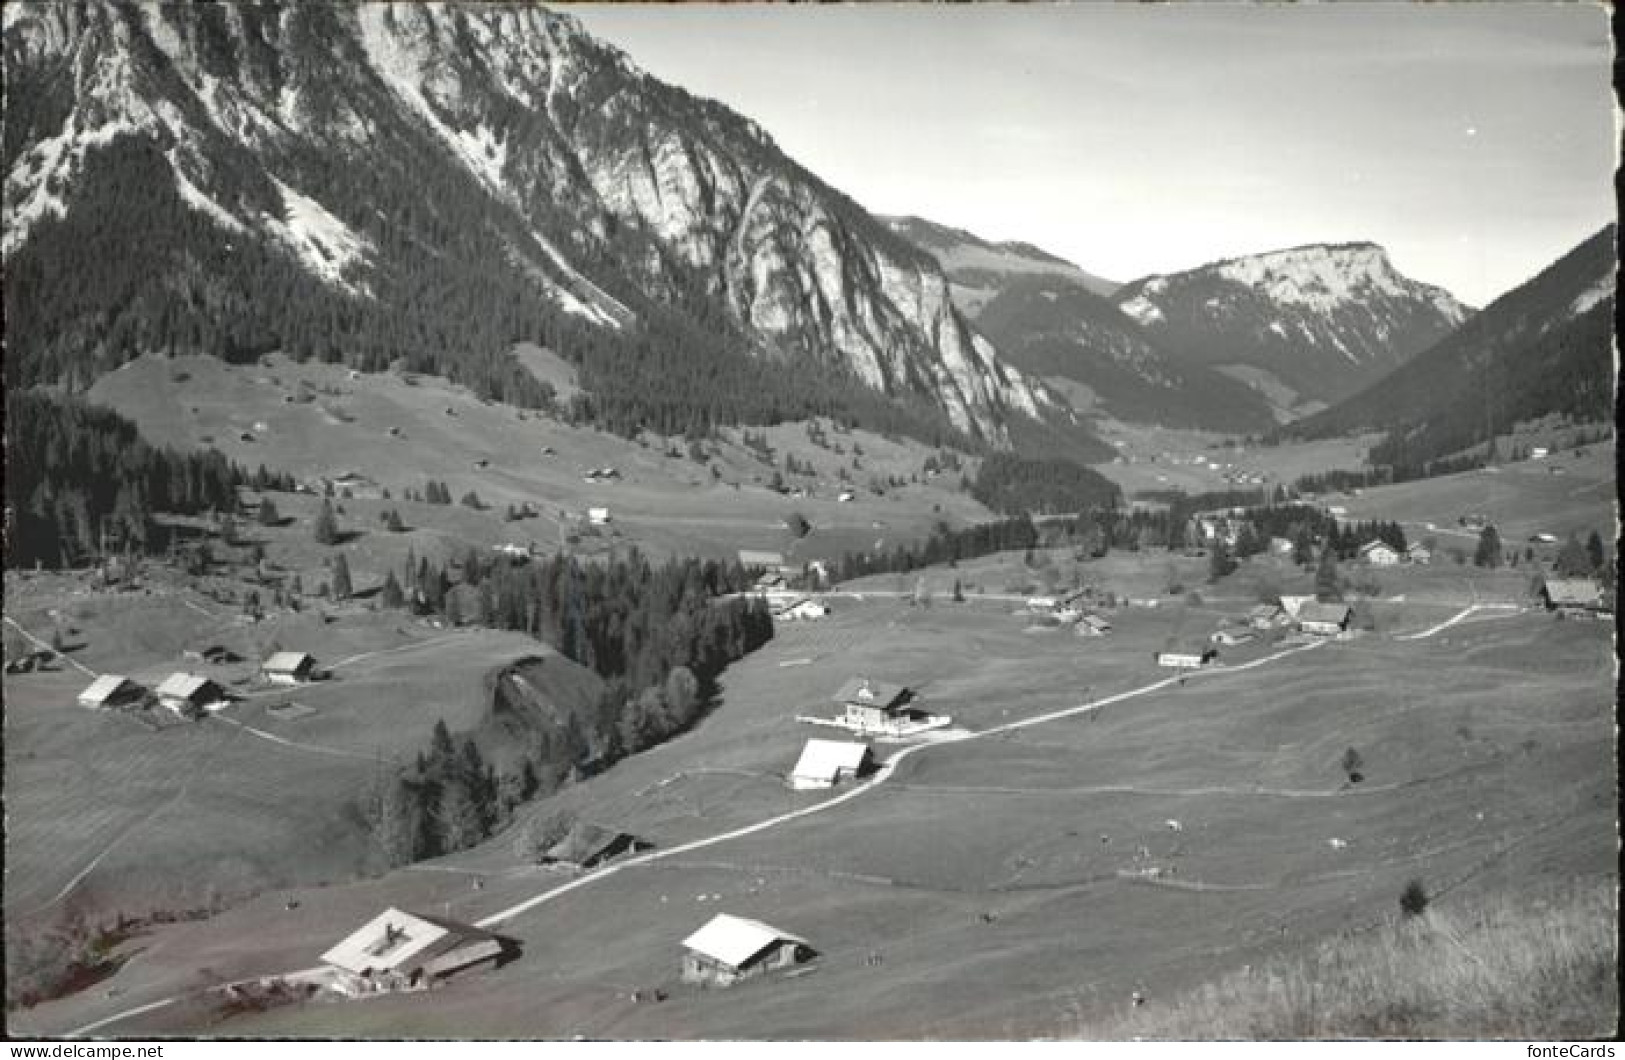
(397, 950)
(598, 516)
(1280, 546)
(190, 695)
(802, 608)
(1418, 553)
(1323, 620)
(1193, 657)
(289, 668)
(730, 948)
(825, 763)
(871, 704)
(1379, 554)
(1572, 597)
(587, 846)
(109, 690)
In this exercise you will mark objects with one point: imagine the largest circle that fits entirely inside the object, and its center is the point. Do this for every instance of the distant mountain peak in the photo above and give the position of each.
(1321, 319)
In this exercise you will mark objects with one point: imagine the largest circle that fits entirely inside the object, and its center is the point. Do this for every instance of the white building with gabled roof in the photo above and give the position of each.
(729, 948)
(825, 763)
(109, 690)
(397, 950)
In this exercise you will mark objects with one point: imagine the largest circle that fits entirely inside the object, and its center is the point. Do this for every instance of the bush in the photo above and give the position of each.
(1413, 900)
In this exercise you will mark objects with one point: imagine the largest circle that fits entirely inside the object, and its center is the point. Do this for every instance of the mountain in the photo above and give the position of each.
(978, 268)
(1051, 319)
(1544, 347)
(1311, 324)
(425, 185)
(1052, 328)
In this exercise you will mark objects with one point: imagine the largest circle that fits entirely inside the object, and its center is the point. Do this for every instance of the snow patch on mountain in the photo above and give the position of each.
(326, 246)
(1142, 309)
(1603, 288)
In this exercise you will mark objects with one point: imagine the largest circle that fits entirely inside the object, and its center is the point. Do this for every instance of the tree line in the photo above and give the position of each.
(80, 481)
(658, 636)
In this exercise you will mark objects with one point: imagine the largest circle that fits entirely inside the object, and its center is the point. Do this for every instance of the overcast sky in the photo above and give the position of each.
(1474, 141)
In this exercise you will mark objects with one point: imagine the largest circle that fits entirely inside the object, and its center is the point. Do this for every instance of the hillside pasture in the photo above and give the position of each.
(977, 874)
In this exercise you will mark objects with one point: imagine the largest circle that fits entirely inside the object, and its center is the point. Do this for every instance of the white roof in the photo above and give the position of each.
(392, 939)
(733, 940)
(824, 759)
(184, 686)
(287, 661)
(103, 688)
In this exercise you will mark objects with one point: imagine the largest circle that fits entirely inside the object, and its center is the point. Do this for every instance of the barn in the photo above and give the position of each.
(871, 704)
(1323, 620)
(825, 763)
(189, 694)
(587, 846)
(109, 690)
(1571, 596)
(1193, 657)
(598, 516)
(289, 668)
(729, 948)
(1418, 553)
(397, 950)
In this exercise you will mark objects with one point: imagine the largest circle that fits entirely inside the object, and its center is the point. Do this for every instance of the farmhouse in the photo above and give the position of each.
(1186, 658)
(1571, 596)
(802, 609)
(871, 704)
(598, 516)
(845, 497)
(1280, 546)
(109, 690)
(1323, 620)
(587, 846)
(397, 950)
(1379, 554)
(1418, 553)
(730, 948)
(825, 763)
(289, 668)
(188, 694)
(1093, 626)
(1539, 452)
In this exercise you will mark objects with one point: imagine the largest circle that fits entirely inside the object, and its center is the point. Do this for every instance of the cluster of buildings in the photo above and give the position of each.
(191, 695)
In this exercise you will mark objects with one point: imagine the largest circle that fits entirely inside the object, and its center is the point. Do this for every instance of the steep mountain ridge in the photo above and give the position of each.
(1544, 347)
(1054, 321)
(522, 180)
(1324, 320)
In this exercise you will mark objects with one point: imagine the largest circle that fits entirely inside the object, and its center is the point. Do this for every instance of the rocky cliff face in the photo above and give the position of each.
(1321, 321)
(357, 142)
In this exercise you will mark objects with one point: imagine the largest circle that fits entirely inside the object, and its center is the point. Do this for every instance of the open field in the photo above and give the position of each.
(136, 811)
(1521, 499)
(316, 420)
(1163, 458)
(1015, 858)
